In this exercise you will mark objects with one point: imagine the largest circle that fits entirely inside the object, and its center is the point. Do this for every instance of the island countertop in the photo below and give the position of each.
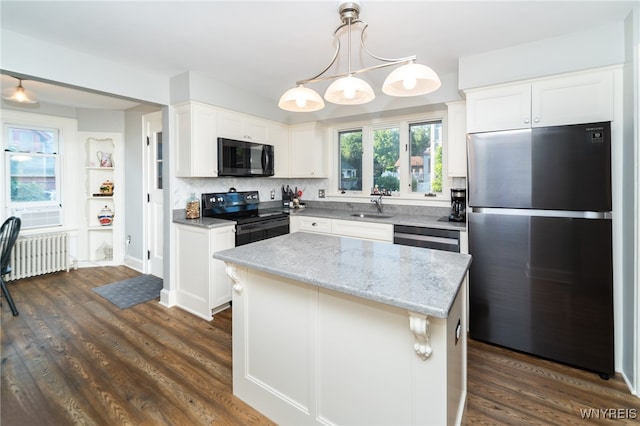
(420, 280)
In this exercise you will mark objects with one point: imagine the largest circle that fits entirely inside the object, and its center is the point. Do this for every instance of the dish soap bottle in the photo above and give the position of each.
(193, 207)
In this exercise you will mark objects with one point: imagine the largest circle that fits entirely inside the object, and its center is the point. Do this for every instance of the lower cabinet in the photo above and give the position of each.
(307, 355)
(203, 288)
(344, 228)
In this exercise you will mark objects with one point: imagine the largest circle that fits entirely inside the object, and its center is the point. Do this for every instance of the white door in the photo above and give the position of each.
(154, 223)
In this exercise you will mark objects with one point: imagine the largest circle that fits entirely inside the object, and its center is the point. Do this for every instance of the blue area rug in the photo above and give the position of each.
(127, 293)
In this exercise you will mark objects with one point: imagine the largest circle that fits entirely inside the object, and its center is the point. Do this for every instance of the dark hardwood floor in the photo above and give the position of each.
(72, 357)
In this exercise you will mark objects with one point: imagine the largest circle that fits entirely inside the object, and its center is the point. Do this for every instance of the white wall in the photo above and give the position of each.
(38, 58)
(593, 48)
(631, 299)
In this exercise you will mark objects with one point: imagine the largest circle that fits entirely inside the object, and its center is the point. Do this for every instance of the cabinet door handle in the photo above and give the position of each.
(314, 224)
(536, 120)
(526, 121)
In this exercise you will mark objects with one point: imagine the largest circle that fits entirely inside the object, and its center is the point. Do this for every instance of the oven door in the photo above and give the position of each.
(261, 230)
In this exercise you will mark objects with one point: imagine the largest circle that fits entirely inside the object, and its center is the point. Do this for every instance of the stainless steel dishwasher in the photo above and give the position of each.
(433, 238)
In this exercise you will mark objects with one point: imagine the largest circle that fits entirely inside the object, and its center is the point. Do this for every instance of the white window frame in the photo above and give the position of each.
(66, 182)
(404, 196)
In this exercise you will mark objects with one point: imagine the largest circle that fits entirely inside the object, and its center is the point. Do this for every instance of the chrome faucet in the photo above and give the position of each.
(378, 201)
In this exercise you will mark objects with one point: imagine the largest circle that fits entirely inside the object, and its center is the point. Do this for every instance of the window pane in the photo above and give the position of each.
(32, 140)
(426, 157)
(386, 153)
(350, 160)
(33, 178)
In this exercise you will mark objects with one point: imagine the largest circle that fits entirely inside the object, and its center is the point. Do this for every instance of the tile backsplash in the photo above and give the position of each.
(183, 187)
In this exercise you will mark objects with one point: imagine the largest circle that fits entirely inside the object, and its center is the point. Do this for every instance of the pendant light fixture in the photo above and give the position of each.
(410, 79)
(19, 94)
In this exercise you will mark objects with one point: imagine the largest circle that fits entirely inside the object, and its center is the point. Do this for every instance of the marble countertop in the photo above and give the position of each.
(417, 279)
(393, 219)
(203, 222)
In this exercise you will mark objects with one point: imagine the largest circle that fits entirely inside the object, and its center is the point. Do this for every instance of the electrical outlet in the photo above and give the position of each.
(320, 193)
(128, 239)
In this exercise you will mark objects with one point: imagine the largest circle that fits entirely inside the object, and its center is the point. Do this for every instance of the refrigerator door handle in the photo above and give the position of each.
(543, 213)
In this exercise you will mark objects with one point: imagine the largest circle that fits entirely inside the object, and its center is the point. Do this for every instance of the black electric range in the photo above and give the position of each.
(252, 222)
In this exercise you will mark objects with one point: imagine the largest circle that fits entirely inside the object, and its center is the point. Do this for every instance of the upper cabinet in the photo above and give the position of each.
(242, 127)
(570, 99)
(197, 140)
(308, 151)
(456, 139)
(198, 127)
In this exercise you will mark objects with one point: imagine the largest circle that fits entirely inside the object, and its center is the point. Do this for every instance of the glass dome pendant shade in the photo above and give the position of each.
(411, 80)
(19, 94)
(349, 91)
(301, 99)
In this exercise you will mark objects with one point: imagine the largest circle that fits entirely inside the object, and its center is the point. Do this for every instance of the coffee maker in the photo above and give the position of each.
(458, 205)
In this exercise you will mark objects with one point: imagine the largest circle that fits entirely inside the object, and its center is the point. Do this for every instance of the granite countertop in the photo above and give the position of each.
(343, 214)
(417, 279)
(202, 222)
(390, 218)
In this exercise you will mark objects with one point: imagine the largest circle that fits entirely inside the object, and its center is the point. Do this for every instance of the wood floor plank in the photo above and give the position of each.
(72, 357)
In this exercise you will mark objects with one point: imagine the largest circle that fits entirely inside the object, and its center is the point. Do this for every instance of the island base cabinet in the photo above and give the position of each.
(307, 355)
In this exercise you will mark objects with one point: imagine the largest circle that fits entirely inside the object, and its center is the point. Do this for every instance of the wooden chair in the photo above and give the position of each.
(8, 236)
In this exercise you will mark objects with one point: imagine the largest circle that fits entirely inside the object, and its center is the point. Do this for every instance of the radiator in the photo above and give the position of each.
(39, 254)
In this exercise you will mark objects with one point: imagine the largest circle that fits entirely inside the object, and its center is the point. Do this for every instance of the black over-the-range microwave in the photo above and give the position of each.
(241, 158)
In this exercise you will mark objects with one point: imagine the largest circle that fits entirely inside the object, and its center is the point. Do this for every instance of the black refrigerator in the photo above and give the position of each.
(541, 280)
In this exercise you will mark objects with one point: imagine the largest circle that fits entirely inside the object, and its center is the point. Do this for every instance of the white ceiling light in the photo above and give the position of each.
(19, 94)
(410, 79)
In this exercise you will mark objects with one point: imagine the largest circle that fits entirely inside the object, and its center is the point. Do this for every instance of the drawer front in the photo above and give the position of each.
(365, 230)
(314, 224)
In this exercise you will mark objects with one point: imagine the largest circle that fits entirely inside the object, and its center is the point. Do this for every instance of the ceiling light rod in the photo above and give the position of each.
(411, 79)
(349, 13)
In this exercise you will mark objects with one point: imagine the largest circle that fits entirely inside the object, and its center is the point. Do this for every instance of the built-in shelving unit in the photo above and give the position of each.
(104, 184)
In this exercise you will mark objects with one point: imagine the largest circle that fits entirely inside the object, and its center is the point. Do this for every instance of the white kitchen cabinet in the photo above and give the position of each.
(310, 224)
(336, 354)
(569, 99)
(344, 228)
(279, 135)
(202, 287)
(308, 151)
(196, 144)
(456, 139)
(362, 230)
(242, 127)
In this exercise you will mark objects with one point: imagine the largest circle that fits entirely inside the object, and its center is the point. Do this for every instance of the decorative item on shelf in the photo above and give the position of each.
(106, 188)
(104, 159)
(104, 252)
(105, 217)
(193, 207)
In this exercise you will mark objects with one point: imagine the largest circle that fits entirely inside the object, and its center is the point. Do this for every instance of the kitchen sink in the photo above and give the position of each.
(371, 215)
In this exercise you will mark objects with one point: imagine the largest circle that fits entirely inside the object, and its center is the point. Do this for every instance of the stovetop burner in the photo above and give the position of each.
(243, 207)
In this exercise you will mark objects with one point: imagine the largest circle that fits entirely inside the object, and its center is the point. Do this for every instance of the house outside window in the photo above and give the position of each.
(32, 175)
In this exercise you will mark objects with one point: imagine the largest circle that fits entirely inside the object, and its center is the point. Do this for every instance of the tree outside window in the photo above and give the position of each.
(350, 160)
(425, 157)
(386, 152)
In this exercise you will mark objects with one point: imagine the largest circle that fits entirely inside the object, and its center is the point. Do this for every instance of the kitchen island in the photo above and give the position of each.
(334, 330)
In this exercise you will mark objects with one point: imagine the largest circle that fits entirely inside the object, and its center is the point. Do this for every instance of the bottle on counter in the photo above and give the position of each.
(193, 207)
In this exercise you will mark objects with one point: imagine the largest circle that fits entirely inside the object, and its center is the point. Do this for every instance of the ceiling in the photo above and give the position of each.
(266, 46)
